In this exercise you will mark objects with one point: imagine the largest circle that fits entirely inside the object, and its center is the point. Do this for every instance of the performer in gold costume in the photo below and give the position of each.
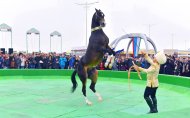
(152, 78)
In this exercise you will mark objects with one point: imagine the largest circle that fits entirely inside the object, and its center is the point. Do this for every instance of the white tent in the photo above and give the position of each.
(5, 28)
(55, 33)
(29, 32)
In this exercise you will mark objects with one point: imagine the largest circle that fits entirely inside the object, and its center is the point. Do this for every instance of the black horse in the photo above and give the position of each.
(97, 47)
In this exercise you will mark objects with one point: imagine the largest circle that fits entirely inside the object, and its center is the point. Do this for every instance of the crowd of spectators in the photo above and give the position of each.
(38, 61)
(175, 65)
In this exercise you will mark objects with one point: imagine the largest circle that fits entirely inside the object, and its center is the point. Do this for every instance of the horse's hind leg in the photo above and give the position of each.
(84, 93)
(82, 73)
(93, 75)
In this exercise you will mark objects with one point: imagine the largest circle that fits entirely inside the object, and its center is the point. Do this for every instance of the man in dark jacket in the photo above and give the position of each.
(169, 66)
(1, 61)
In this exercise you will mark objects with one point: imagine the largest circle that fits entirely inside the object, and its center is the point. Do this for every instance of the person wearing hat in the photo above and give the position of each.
(152, 78)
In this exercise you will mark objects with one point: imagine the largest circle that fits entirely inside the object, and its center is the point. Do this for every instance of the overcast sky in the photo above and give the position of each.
(165, 17)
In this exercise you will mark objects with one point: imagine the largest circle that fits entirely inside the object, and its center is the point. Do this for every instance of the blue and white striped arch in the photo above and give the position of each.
(136, 45)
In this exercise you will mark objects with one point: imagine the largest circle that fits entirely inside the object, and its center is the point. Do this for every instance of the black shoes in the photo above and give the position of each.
(153, 111)
(154, 100)
(152, 105)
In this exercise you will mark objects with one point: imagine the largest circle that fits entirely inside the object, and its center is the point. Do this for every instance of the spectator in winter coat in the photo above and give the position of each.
(169, 66)
(72, 62)
(62, 61)
(18, 61)
(1, 61)
(23, 61)
(76, 62)
(6, 62)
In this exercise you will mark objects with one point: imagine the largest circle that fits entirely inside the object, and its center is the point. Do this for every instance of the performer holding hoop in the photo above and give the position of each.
(152, 79)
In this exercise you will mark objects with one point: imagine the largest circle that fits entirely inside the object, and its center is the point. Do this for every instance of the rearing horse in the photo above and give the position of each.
(97, 47)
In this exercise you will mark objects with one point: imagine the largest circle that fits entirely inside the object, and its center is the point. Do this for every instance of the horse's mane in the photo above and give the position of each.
(94, 22)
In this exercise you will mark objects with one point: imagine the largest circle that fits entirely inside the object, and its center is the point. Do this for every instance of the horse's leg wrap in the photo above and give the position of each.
(107, 61)
(84, 93)
(111, 61)
(88, 102)
(99, 96)
(92, 87)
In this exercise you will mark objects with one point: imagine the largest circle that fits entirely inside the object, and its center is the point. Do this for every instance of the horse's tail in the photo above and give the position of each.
(73, 80)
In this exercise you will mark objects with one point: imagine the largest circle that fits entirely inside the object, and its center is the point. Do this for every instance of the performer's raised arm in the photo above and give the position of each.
(147, 58)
